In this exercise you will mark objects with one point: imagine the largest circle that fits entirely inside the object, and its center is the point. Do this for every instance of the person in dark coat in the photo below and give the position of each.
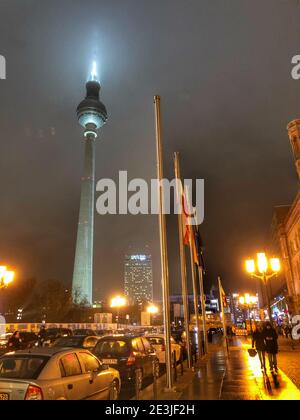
(271, 341)
(258, 342)
(42, 335)
(14, 343)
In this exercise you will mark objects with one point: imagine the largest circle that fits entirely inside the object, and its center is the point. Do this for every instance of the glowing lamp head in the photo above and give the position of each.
(118, 302)
(8, 277)
(275, 264)
(2, 270)
(262, 262)
(242, 300)
(152, 309)
(250, 266)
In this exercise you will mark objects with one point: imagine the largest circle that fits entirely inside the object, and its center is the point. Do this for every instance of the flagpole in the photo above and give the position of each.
(203, 307)
(196, 309)
(163, 247)
(194, 281)
(223, 313)
(184, 287)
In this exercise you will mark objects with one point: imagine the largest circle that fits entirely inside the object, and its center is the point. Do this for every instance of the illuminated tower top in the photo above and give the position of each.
(91, 112)
(294, 135)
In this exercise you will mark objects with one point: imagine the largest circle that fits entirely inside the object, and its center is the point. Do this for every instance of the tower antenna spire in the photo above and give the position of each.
(94, 72)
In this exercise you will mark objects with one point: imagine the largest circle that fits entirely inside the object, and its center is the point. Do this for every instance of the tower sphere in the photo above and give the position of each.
(91, 112)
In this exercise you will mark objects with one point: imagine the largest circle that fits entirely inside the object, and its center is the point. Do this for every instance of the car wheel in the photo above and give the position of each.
(114, 391)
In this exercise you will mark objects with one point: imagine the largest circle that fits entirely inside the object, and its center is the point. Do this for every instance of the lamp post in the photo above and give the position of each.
(118, 302)
(6, 277)
(247, 301)
(264, 268)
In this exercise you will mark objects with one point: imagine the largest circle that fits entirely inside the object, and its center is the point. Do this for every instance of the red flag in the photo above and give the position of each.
(223, 297)
(185, 225)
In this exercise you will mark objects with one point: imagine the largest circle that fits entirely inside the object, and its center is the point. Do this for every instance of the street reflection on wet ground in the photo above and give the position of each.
(238, 377)
(217, 376)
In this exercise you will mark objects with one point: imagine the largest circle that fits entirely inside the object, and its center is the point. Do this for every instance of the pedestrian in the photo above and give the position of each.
(271, 342)
(258, 342)
(14, 343)
(42, 335)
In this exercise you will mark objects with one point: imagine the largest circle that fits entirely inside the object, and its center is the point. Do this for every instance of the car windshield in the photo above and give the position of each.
(22, 367)
(156, 340)
(112, 348)
(68, 342)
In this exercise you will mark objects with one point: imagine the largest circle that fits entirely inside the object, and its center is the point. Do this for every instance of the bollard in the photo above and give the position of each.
(138, 384)
(155, 374)
(181, 363)
(174, 366)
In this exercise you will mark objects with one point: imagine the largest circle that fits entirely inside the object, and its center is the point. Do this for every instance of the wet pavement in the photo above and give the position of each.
(244, 379)
(237, 377)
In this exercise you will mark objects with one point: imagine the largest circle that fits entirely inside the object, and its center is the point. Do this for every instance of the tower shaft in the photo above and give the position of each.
(82, 287)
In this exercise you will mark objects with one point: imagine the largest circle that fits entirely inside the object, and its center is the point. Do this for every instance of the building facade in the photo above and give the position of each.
(138, 278)
(286, 223)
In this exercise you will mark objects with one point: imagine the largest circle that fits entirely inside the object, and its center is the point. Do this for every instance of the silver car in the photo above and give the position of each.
(56, 374)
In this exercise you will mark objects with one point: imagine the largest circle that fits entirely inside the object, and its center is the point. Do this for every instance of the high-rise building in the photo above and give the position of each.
(138, 278)
(92, 115)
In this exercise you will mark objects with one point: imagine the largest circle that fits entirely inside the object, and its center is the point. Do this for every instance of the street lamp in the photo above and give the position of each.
(152, 310)
(6, 277)
(118, 302)
(264, 268)
(248, 301)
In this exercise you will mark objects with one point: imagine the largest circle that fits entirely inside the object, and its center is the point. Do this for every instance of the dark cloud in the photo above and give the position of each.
(223, 71)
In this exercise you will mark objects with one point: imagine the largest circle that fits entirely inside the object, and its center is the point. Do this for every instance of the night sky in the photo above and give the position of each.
(223, 70)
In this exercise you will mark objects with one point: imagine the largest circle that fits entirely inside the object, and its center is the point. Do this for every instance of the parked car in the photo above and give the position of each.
(102, 333)
(77, 341)
(55, 374)
(131, 356)
(53, 334)
(84, 331)
(158, 343)
(4, 338)
(27, 340)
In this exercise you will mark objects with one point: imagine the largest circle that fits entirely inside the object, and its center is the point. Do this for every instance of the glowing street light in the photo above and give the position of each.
(118, 302)
(152, 309)
(247, 300)
(6, 277)
(264, 268)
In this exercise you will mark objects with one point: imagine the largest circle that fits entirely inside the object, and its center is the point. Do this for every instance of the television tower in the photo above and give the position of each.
(92, 115)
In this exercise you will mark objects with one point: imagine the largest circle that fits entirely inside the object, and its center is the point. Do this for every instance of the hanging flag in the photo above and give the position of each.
(199, 247)
(223, 296)
(186, 227)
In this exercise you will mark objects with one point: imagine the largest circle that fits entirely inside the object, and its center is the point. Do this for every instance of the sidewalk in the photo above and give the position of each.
(238, 377)
(202, 383)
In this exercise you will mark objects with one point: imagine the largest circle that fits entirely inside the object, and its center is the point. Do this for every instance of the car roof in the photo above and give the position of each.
(78, 336)
(119, 337)
(43, 351)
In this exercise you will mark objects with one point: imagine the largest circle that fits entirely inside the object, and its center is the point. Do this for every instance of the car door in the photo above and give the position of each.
(99, 378)
(75, 381)
(139, 354)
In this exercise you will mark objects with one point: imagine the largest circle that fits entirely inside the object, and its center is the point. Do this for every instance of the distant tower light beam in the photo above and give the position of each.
(94, 72)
